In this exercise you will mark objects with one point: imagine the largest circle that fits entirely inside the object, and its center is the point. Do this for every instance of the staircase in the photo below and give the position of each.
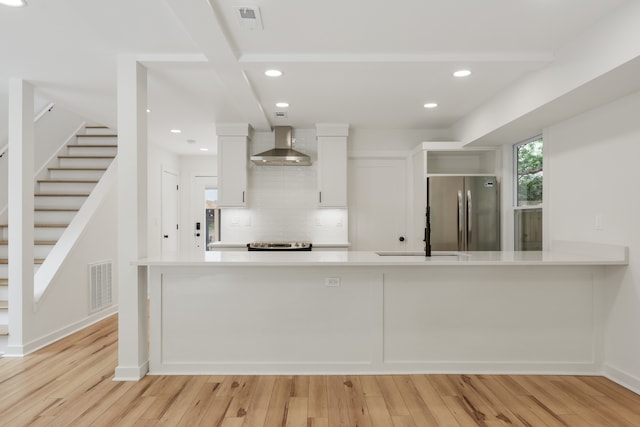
(58, 197)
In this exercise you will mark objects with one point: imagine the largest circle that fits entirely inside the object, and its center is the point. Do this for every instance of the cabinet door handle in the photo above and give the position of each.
(243, 197)
(320, 196)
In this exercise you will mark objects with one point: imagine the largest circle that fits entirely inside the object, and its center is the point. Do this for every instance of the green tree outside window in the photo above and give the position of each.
(529, 168)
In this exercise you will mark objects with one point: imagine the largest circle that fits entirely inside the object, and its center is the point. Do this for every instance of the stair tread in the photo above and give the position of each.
(4, 330)
(56, 209)
(35, 261)
(77, 169)
(43, 225)
(70, 181)
(92, 145)
(98, 135)
(86, 157)
(4, 304)
(4, 282)
(61, 195)
(37, 242)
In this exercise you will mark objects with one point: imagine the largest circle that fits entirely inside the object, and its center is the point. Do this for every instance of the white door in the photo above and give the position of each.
(377, 206)
(169, 212)
(200, 185)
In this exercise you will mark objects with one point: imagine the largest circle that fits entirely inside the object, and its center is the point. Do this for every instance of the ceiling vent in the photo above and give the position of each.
(249, 17)
(280, 114)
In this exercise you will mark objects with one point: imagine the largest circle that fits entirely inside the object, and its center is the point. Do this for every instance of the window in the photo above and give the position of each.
(528, 195)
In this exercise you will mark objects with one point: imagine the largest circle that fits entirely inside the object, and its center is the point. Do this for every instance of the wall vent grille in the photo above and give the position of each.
(100, 286)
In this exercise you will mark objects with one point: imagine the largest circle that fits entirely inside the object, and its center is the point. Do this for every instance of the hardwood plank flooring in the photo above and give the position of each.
(70, 383)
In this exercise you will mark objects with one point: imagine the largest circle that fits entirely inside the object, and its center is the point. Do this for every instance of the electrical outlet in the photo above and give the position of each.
(332, 281)
(599, 222)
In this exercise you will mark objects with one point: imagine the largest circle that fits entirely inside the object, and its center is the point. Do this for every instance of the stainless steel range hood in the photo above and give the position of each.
(283, 154)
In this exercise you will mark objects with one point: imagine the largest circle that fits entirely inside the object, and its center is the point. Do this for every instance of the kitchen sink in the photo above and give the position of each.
(421, 253)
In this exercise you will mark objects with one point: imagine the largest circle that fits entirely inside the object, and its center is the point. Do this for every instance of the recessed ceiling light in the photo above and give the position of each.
(430, 105)
(176, 131)
(148, 110)
(204, 149)
(13, 3)
(462, 73)
(282, 104)
(273, 73)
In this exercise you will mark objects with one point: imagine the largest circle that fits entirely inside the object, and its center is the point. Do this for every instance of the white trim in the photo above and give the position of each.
(622, 378)
(131, 373)
(372, 368)
(21, 351)
(526, 208)
(470, 56)
(150, 58)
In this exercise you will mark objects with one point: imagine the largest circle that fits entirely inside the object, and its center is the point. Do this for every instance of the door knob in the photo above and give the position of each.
(166, 236)
(401, 238)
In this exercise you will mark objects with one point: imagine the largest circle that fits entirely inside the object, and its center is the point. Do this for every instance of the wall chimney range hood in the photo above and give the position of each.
(282, 154)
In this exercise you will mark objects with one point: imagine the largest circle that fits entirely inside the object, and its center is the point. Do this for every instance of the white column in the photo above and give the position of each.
(133, 356)
(20, 214)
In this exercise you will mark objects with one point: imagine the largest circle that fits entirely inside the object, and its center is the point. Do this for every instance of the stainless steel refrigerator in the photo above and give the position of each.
(464, 213)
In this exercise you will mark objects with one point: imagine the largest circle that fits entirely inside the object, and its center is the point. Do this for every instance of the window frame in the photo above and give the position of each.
(514, 199)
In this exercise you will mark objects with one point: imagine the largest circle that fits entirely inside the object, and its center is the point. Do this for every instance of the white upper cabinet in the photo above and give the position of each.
(232, 165)
(332, 165)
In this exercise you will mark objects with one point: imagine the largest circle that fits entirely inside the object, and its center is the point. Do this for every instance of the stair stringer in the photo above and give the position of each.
(72, 234)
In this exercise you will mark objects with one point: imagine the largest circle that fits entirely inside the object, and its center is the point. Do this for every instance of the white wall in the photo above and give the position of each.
(283, 200)
(64, 307)
(591, 175)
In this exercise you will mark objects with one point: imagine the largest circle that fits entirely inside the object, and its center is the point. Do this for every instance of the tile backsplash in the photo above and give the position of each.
(283, 201)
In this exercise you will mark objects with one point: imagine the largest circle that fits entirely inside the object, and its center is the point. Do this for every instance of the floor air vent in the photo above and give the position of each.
(100, 289)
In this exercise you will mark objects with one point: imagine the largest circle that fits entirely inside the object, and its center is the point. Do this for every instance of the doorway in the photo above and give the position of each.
(169, 212)
(204, 212)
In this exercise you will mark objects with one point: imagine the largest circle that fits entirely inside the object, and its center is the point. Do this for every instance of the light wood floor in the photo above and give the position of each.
(70, 384)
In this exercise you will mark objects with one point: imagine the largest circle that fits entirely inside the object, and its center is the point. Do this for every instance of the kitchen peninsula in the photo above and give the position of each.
(361, 312)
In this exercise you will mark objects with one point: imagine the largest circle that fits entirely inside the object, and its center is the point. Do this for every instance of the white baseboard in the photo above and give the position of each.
(23, 350)
(131, 373)
(622, 378)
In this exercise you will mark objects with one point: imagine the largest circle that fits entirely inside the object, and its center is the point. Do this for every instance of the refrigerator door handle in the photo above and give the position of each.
(469, 220)
(460, 221)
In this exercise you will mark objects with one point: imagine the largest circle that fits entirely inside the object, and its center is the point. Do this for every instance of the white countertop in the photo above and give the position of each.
(569, 254)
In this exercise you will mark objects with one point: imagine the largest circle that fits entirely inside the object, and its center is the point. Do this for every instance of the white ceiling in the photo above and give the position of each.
(369, 63)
